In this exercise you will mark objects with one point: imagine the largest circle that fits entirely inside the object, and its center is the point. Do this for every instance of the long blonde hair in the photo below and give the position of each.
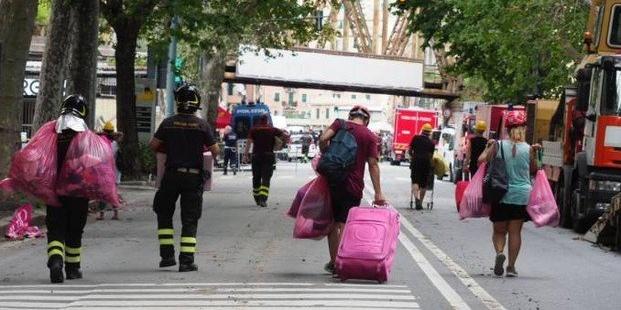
(517, 135)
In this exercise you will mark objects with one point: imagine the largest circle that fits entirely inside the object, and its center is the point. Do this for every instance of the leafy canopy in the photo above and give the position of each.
(514, 48)
(221, 26)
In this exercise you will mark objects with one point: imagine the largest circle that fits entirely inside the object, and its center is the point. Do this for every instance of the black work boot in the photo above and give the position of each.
(186, 263)
(55, 263)
(167, 262)
(72, 271)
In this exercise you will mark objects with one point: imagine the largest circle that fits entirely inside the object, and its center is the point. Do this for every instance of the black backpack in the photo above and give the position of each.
(336, 163)
(495, 182)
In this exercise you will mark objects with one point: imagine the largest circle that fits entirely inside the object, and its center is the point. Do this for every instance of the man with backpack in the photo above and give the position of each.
(346, 147)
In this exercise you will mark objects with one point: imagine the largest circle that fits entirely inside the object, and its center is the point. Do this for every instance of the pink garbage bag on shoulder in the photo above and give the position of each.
(295, 205)
(472, 205)
(315, 216)
(33, 168)
(88, 170)
(19, 227)
(542, 206)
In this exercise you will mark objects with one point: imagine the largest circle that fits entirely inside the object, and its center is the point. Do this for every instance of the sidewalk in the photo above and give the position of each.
(135, 194)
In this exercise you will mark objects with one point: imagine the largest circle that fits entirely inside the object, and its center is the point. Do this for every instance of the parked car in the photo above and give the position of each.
(294, 148)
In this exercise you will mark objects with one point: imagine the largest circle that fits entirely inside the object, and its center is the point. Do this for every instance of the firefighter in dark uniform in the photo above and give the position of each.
(261, 138)
(65, 223)
(183, 138)
(230, 149)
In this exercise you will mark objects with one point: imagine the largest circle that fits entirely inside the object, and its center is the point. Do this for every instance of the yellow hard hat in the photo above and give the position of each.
(108, 126)
(427, 127)
(480, 126)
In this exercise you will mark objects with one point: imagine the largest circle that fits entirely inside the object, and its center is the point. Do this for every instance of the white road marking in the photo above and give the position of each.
(488, 300)
(199, 295)
(202, 290)
(453, 298)
(207, 295)
(474, 287)
(253, 308)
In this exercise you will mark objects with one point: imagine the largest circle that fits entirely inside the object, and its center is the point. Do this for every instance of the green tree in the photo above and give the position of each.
(127, 18)
(16, 27)
(217, 30)
(516, 48)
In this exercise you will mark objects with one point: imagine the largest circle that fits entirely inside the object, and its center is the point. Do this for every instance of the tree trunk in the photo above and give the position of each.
(212, 74)
(83, 59)
(124, 55)
(16, 27)
(53, 66)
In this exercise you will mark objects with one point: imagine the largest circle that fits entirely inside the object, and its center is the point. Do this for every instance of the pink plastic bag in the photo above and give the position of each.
(472, 205)
(542, 206)
(295, 205)
(33, 168)
(88, 170)
(19, 227)
(314, 219)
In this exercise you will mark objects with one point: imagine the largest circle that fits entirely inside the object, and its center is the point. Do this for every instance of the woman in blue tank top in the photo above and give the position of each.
(510, 214)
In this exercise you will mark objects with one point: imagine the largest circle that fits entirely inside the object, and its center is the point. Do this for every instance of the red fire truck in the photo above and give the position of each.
(583, 156)
(408, 123)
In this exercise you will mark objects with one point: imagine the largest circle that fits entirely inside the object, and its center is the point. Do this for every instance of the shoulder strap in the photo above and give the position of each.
(502, 153)
(342, 124)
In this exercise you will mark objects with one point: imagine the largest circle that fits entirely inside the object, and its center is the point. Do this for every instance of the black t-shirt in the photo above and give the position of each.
(184, 137)
(477, 146)
(230, 139)
(263, 138)
(421, 148)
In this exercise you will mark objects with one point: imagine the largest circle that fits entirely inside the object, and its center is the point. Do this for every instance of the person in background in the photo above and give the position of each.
(262, 138)
(421, 152)
(307, 140)
(348, 195)
(111, 136)
(509, 215)
(184, 137)
(476, 146)
(230, 150)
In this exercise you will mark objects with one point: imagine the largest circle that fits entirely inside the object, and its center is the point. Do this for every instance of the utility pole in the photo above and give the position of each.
(385, 15)
(375, 42)
(170, 77)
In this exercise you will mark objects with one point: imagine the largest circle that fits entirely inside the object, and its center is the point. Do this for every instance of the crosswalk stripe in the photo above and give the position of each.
(253, 308)
(191, 290)
(55, 297)
(246, 303)
(56, 287)
(263, 295)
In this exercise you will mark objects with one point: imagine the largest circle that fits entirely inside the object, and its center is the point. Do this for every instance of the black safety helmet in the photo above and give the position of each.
(188, 98)
(76, 105)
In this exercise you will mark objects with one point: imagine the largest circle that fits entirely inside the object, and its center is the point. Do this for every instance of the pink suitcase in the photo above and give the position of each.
(368, 245)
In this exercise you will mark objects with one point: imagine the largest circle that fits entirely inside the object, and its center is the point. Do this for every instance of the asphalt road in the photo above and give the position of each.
(248, 260)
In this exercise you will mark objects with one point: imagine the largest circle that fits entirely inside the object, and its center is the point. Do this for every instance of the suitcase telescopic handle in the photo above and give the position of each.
(380, 204)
